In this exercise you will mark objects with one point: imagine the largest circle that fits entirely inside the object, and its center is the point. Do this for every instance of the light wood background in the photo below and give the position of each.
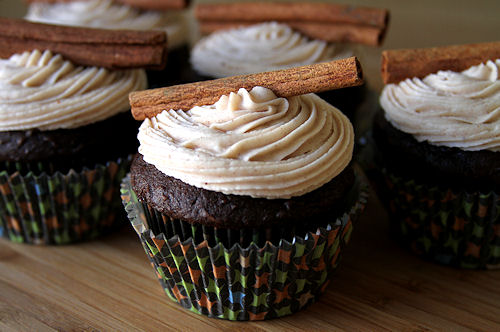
(108, 284)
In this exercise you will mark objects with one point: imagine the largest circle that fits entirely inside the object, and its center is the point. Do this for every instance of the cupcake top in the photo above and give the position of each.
(44, 91)
(259, 48)
(105, 14)
(452, 109)
(251, 143)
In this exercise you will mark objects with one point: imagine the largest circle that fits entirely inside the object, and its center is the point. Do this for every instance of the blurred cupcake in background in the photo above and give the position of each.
(261, 47)
(256, 37)
(439, 143)
(169, 16)
(66, 137)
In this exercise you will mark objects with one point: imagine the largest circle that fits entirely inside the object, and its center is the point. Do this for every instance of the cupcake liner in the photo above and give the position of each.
(452, 227)
(169, 227)
(61, 208)
(253, 282)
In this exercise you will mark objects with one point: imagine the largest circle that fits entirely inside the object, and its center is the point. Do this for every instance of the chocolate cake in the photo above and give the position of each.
(200, 206)
(70, 148)
(448, 166)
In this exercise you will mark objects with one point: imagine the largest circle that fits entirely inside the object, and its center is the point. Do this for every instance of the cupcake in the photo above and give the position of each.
(61, 159)
(107, 14)
(265, 47)
(259, 37)
(440, 152)
(244, 206)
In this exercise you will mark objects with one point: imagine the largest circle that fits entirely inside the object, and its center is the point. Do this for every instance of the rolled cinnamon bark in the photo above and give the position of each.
(289, 12)
(116, 49)
(284, 83)
(328, 22)
(398, 65)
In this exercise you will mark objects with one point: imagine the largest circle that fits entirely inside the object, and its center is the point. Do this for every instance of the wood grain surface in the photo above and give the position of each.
(109, 285)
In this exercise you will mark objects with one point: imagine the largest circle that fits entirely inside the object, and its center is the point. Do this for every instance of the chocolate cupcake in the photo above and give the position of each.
(439, 147)
(259, 37)
(107, 14)
(255, 194)
(61, 159)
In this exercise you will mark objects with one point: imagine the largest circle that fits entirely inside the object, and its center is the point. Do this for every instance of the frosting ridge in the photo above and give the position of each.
(251, 143)
(44, 91)
(258, 48)
(106, 14)
(453, 109)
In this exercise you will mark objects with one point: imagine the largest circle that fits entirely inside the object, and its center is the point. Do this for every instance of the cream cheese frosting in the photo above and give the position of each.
(258, 48)
(251, 143)
(105, 14)
(44, 91)
(452, 109)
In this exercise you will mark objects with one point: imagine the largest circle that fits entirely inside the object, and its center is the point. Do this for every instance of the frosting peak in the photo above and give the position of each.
(258, 48)
(251, 143)
(37, 68)
(44, 91)
(485, 71)
(449, 108)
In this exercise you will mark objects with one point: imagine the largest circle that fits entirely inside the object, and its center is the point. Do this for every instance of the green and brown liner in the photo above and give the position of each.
(241, 274)
(454, 227)
(57, 208)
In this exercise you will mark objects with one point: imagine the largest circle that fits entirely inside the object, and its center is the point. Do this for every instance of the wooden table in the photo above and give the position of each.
(109, 284)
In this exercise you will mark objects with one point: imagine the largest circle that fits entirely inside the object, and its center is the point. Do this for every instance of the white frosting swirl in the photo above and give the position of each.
(105, 14)
(448, 108)
(251, 143)
(41, 90)
(259, 48)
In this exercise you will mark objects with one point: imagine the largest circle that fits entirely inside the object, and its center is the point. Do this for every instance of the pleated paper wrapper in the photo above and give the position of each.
(452, 227)
(209, 272)
(61, 208)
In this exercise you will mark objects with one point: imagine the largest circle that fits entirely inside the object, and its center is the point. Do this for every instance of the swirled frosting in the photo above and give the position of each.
(258, 48)
(251, 143)
(44, 91)
(105, 14)
(449, 108)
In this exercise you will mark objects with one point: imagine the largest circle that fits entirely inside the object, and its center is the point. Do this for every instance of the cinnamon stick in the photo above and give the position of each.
(142, 4)
(398, 65)
(329, 22)
(116, 49)
(329, 32)
(296, 11)
(284, 83)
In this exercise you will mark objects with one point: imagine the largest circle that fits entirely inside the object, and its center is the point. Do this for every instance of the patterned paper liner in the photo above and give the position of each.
(456, 228)
(245, 282)
(61, 208)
